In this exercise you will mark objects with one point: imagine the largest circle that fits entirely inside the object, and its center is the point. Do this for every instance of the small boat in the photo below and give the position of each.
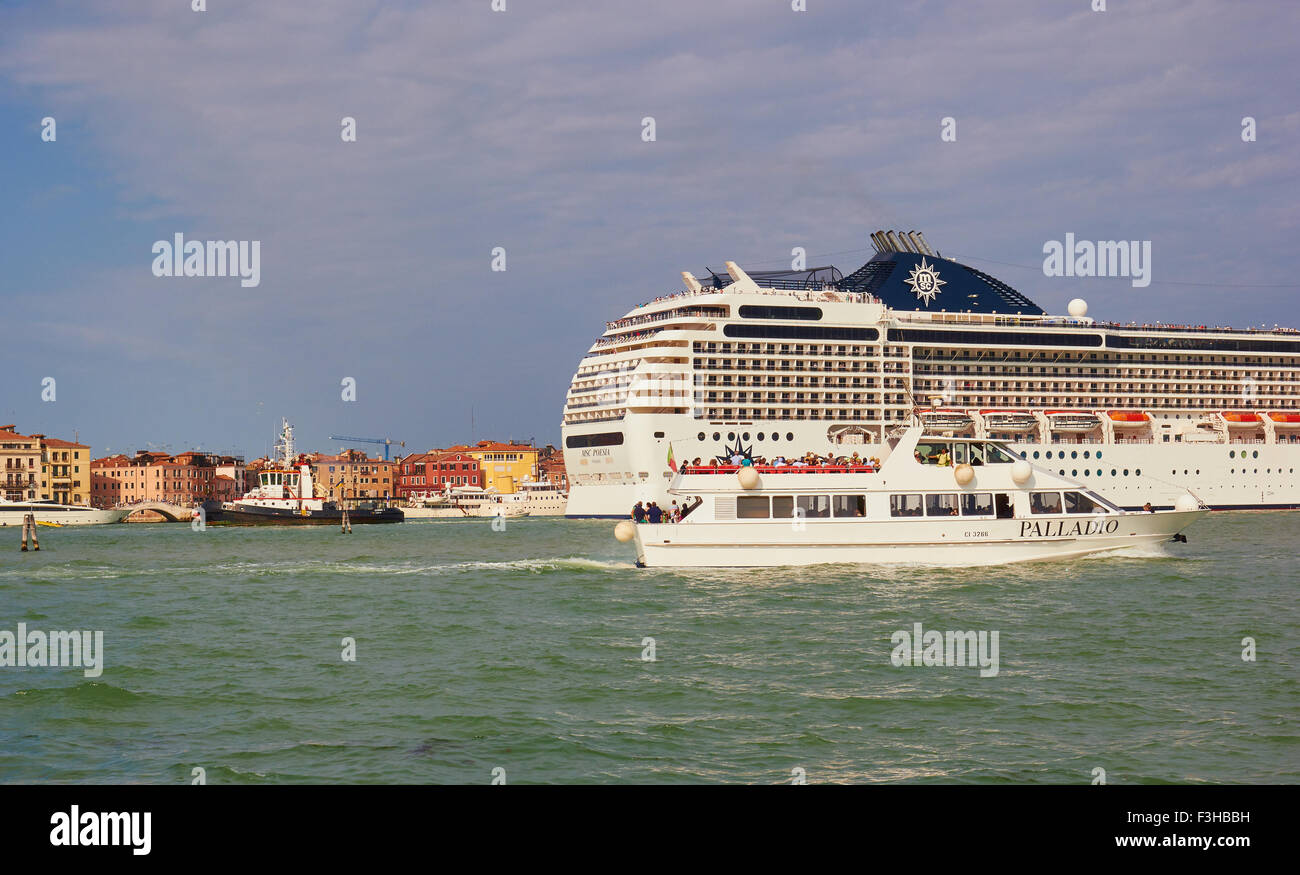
(1009, 421)
(1072, 421)
(1240, 418)
(941, 420)
(978, 504)
(1128, 418)
(54, 515)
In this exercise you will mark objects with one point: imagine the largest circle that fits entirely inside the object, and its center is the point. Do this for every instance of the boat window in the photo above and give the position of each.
(814, 505)
(959, 454)
(933, 453)
(1006, 510)
(751, 507)
(905, 505)
(1103, 502)
(849, 505)
(995, 455)
(782, 507)
(941, 505)
(977, 503)
(1045, 502)
(1077, 502)
(977, 454)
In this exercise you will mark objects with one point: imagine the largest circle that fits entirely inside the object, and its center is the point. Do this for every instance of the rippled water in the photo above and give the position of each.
(522, 650)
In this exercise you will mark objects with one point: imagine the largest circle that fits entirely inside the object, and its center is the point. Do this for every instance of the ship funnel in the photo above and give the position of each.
(894, 245)
(691, 282)
(919, 242)
(741, 281)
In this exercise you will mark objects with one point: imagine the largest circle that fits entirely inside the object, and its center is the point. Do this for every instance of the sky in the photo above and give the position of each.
(523, 129)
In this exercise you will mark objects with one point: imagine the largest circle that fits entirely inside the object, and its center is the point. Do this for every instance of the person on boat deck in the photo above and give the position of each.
(1148, 508)
(746, 462)
(920, 460)
(674, 513)
(735, 458)
(655, 513)
(944, 459)
(638, 512)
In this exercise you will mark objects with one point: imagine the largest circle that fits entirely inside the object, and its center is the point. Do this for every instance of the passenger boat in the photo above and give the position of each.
(788, 362)
(984, 506)
(51, 514)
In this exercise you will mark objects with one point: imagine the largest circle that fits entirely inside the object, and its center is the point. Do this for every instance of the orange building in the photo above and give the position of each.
(352, 476)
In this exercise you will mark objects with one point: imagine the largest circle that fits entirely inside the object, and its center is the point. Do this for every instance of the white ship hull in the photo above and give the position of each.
(932, 543)
(63, 515)
(1267, 481)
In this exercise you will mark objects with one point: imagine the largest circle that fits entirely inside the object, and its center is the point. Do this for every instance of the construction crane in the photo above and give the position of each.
(384, 442)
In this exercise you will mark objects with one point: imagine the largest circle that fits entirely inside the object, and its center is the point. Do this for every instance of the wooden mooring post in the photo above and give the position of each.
(29, 526)
(345, 525)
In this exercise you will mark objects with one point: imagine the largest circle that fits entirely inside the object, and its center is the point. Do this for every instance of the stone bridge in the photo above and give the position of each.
(170, 512)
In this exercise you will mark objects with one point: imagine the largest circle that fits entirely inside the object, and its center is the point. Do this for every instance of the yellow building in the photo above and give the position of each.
(504, 466)
(65, 469)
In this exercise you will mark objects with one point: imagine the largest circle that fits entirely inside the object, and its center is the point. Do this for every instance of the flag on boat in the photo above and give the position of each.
(672, 463)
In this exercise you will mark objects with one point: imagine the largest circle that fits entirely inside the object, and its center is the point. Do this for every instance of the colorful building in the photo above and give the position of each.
(23, 472)
(186, 479)
(352, 476)
(65, 467)
(504, 466)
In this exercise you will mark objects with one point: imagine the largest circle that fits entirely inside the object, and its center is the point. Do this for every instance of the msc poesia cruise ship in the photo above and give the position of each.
(785, 363)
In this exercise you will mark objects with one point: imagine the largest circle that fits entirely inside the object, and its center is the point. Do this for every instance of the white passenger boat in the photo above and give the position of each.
(52, 514)
(461, 502)
(933, 501)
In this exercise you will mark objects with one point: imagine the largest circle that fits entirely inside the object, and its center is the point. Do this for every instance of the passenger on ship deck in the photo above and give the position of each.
(655, 513)
(638, 512)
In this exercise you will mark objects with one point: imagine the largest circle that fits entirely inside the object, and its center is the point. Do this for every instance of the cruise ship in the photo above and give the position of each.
(782, 363)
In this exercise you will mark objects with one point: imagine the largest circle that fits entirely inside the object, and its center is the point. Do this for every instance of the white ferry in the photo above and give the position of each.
(933, 501)
(52, 514)
(534, 498)
(787, 363)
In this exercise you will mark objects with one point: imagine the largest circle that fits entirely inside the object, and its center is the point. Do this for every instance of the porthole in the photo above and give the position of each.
(716, 436)
(1137, 472)
(1085, 472)
(746, 436)
(700, 436)
(1198, 472)
(731, 435)
(1074, 454)
(789, 435)
(1099, 454)
(1126, 472)
(1035, 454)
(1112, 472)
(1074, 472)
(1048, 455)
(1255, 455)
(1086, 454)
(1232, 454)
(760, 435)
(1061, 472)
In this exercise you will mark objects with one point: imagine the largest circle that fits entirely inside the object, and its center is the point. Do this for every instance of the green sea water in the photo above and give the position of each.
(522, 653)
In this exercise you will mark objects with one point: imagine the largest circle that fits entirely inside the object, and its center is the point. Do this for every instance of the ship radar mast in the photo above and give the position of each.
(284, 446)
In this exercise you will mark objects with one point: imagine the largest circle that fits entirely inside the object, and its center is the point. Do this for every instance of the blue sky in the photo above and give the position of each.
(522, 129)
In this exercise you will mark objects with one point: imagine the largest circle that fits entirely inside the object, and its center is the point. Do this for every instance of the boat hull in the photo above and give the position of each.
(88, 516)
(274, 516)
(888, 542)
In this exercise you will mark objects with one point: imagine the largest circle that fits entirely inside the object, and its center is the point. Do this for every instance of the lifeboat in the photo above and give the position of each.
(1014, 421)
(1128, 418)
(1240, 418)
(1072, 421)
(946, 420)
(1282, 419)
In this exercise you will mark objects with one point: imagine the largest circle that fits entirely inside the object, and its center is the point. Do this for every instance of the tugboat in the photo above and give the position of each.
(945, 501)
(287, 495)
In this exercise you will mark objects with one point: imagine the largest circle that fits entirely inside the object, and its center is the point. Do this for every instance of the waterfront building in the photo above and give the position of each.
(504, 466)
(21, 457)
(353, 476)
(65, 470)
